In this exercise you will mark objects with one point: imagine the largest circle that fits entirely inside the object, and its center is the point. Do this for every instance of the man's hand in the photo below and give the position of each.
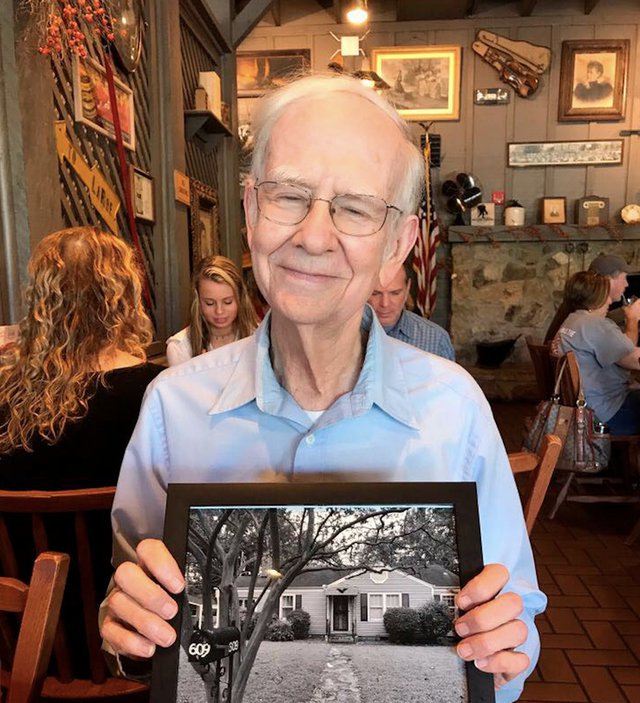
(490, 628)
(139, 606)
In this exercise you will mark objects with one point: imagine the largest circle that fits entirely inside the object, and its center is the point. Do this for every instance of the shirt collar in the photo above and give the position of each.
(381, 381)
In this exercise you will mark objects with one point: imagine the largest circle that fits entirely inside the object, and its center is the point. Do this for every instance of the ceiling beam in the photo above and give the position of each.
(526, 7)
(337, 11)
(247, 19)
(276, 13)
(472, 6)
(589, 5)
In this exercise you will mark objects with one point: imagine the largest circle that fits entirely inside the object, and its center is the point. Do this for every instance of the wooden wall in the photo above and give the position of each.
(477, 142)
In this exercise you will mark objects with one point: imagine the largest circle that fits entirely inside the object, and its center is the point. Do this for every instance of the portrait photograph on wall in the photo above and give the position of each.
(204, 234)
(259, 71)
(593, 78)
(282, 579)
(425, 81)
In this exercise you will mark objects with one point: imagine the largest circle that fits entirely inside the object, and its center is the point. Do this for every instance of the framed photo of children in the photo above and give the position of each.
(283, 578)
(424, 80)
(593, 80)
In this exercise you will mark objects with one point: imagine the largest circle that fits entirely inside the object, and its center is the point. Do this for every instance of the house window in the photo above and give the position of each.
(448, 600)
(379, 603)
(196, 614)
(288, 603)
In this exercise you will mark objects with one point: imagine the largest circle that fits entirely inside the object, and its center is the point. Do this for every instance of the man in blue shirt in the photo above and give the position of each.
(389, 303)
(330, 203)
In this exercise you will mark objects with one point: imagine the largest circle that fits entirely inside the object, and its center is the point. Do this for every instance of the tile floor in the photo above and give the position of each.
(591, 630)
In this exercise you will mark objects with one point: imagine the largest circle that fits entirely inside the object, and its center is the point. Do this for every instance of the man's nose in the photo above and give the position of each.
(384, 300)
(317, 233)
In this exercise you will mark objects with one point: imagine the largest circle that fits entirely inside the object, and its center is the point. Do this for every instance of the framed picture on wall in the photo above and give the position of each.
(258, 71)
(282, 579)
(142, 195)
(593, 79)
(424, 80)
(554, 210)
(596, 152)
(204, 231)
(91, 103)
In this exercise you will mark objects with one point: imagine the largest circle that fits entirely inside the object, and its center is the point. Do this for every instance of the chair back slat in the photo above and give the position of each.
(540, 465)
(41, 601)
(543, 367)
(88, 595)
(74, 517)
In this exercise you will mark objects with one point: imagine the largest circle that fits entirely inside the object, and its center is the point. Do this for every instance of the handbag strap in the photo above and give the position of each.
(580, 401)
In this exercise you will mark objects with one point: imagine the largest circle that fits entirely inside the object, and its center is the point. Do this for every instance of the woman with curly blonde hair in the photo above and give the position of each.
(221, 311)
(71, 387)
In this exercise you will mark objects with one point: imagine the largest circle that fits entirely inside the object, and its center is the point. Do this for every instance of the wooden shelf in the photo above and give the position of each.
(203, 127)
(541, 233)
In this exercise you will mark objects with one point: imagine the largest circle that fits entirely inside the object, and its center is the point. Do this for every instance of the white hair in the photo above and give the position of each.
(274, 104)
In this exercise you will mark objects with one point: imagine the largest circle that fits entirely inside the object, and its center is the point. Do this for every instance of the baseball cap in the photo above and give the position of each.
(608, 264)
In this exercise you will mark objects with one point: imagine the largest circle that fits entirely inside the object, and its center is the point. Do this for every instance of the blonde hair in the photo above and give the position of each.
(271, 108)
(84, 297)
(220, 270)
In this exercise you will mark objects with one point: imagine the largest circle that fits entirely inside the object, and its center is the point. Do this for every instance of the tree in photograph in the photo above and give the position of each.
(284, 543)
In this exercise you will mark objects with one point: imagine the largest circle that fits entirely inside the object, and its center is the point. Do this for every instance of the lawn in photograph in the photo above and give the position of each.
(293, 590)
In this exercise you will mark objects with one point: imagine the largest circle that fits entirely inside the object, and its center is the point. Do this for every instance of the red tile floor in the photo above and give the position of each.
(591, 630)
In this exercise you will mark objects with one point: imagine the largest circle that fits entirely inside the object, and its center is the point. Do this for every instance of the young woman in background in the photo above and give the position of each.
(221, 311)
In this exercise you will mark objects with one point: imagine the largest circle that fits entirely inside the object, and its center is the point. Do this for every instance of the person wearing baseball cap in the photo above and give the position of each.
(616, 269)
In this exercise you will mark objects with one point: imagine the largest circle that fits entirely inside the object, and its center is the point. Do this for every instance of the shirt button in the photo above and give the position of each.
(310, 439)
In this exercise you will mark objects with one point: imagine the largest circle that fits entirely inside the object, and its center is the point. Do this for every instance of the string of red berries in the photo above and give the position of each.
(70, 21)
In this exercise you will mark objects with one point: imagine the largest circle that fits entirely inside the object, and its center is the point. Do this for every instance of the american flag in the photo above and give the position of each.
(424, 252)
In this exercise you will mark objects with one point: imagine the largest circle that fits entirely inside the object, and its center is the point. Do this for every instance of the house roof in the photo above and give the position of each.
(434, 574)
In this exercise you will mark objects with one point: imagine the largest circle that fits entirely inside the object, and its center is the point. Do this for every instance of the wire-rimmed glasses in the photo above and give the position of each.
(351, 213)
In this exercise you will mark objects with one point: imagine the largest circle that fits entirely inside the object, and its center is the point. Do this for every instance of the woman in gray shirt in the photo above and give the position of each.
(604, 353)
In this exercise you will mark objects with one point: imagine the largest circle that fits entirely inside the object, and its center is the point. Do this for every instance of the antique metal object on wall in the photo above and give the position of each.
(518, 63)
(592, 210)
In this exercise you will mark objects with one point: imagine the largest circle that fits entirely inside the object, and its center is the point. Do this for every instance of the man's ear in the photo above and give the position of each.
(398, 247)
(250, 208)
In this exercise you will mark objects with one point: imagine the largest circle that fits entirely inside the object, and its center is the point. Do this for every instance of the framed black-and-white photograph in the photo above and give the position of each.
(593, 80)
(295, 590)
(596, 152)
(142, 195)
(553, 211)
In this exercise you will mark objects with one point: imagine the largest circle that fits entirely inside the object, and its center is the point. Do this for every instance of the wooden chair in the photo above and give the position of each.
(83, 518)
(543, 367)
(623, 447)
(39, 603)
(540, 467)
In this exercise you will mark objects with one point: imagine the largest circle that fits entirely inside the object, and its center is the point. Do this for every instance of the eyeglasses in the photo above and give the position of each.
(289, 204)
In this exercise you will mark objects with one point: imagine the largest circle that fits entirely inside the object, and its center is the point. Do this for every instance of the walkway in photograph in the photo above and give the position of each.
(338, 681)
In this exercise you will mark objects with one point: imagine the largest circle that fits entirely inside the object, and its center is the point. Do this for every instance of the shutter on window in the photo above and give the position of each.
(405, 600)
(364, 613)
(298, 601)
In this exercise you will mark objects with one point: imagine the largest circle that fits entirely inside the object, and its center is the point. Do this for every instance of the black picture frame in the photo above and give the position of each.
(418, 507)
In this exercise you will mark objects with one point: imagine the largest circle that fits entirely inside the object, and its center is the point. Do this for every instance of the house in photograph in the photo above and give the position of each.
(350, 604)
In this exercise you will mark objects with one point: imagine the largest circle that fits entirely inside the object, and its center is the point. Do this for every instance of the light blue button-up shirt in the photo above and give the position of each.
(422, 333)
(411, 416)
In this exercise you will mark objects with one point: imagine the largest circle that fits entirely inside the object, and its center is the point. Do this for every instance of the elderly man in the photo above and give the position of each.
(330, 208)
(390, 301)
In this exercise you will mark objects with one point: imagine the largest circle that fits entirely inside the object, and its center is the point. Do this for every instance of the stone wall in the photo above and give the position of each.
(507, 282)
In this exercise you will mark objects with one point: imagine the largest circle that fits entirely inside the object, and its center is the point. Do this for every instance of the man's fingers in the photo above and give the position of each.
(125, 641)
(157, 561)
(142, 619)
(488, 616)
(150, 596)
(485, 586)
(487, 644)
(504, 666)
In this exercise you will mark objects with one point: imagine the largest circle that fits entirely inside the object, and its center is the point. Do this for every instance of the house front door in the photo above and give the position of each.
(341, 613)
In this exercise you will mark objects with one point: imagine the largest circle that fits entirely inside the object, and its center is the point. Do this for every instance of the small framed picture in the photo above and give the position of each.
(142, 196)
(554, 211)
(484, 215)
(284, 579)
